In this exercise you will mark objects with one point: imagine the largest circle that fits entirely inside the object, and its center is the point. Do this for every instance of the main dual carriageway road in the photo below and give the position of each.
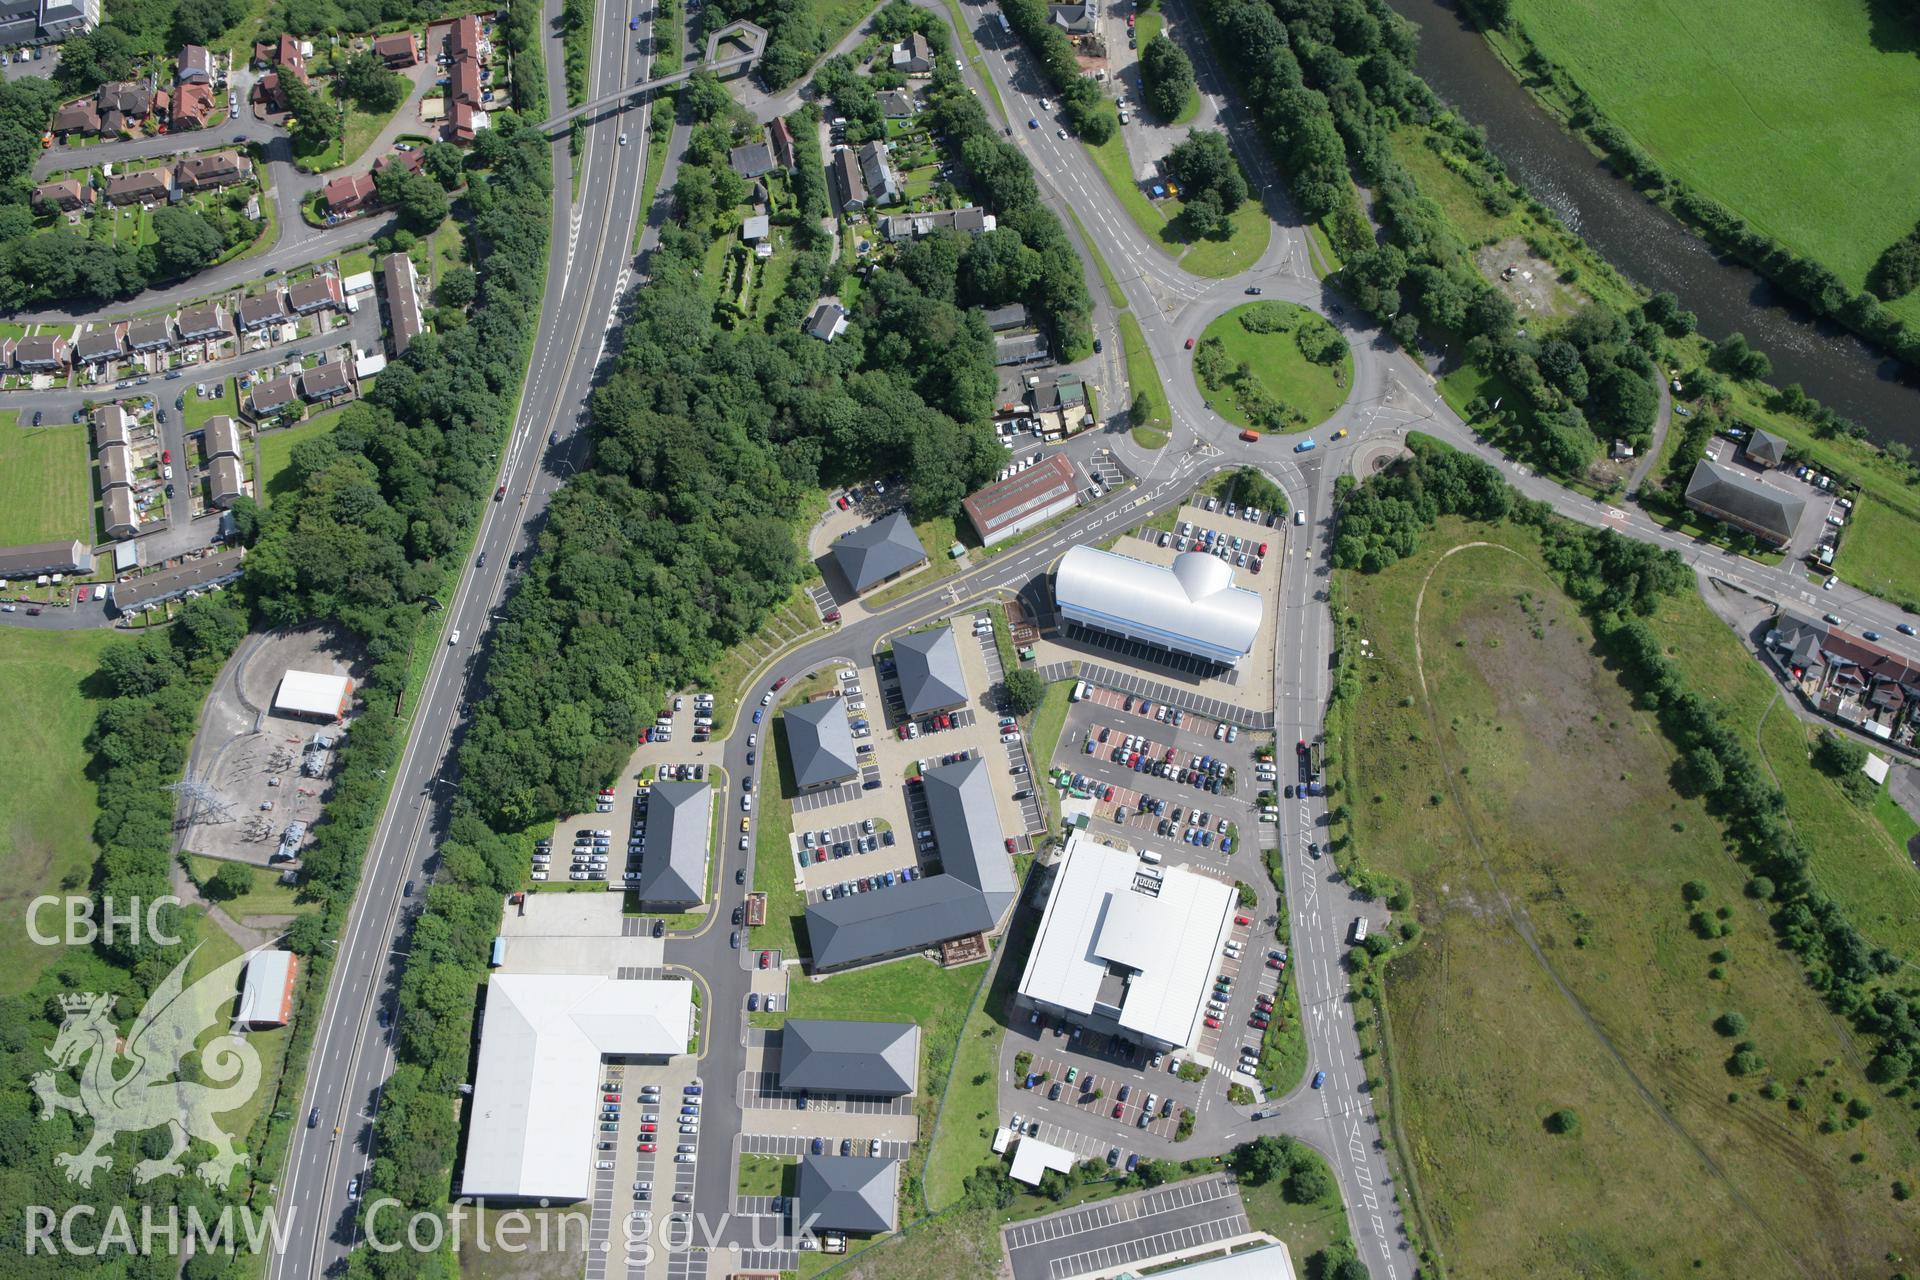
(590, 267)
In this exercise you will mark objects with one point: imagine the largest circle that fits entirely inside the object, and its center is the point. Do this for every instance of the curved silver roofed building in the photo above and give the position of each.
(1191, 608)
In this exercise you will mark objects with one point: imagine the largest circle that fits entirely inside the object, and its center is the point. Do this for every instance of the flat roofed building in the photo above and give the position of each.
(1266, 1260)
(32, 559)
(1011, 316)
(1032, 1158)
(536, 1092)
(1019, 348)
(222, 437)
(1767, 513)
(820, 743)
(928, 665)
(266, 993)
(1024, 499)
(879, 552)
(673, 868)
(832, 1056)
(122, 517)
(847, 1193)
(971, 896)
(1126, 949)
(1191, 608)
(313, 695)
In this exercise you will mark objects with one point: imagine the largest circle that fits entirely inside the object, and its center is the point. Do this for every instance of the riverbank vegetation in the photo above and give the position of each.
(1465, 750)
(1794, 182)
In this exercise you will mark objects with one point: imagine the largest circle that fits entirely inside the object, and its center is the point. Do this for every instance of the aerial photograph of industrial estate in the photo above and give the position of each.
(960, 639)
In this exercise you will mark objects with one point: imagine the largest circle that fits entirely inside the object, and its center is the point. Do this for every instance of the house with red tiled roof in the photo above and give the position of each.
(398, 49)
(192, 106)
(348, 193)
(212, 171)
(79, 116)
(66, 195)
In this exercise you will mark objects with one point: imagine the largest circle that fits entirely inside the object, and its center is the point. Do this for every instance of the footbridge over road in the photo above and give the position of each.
(745, 39)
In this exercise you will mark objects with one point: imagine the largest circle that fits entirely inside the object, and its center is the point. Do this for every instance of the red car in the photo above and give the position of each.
(946, 721)
(841, 503)
(1241, 920)
(500, 493)
(1009, 844)
(903, 733)
(1117, 1110)
(648, 1128)
(819, 855)
(1261, 1023)
(1109, 794)
(1274, 964)
(779, 684)
(832, 615)
(766, 958)
(1213, 1022)
(1263, 548)
(1251, 437)
(166, 456)
(648, 1146)
(1189, 344)
(611, 1097)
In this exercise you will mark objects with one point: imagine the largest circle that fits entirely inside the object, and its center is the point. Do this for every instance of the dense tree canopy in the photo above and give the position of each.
(1167, 76)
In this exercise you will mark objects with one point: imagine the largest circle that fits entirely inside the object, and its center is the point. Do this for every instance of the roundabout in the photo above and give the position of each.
(1273, 366)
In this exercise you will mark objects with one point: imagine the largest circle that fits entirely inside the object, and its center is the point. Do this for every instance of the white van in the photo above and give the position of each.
(1079, 686)
(1148, 855)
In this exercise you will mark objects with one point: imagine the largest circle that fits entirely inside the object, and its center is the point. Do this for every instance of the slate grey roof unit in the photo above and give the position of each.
(32, 558)
(828, 321)
(222, 437)
(847, 1193)
(928, 664)
(753, 160)
(970, 896)
(1762, 510)
(1766, 448)
(896, 105)
(679, 823)
(1011, 316)
(847, 180)
(831, 1056)
(884, 549)
(820, 743)
(96, 346)
(876, 171)
(261, 310)
(226, 481)
(1019, 348)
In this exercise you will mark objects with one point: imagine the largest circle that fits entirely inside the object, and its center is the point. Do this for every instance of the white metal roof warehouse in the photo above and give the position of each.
(536, 1094)
(313, 695)
(1128, 947)
(1191, 608)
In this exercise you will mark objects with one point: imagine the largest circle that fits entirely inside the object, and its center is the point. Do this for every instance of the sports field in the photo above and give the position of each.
(1526, 801)
(46, 482)
(47, 807)
(1803, 116)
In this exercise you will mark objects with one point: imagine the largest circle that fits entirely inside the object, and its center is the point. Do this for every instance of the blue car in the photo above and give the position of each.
(758, 714)
(1033, 124)
(1304, 445)
(1319, 1078)
(633, 24)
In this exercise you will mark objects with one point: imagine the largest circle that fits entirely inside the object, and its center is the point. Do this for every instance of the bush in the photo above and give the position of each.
(1731, 1024)
(1563, 1122)
(1309, 1183)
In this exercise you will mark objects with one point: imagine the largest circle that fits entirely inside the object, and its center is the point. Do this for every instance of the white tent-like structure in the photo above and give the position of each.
(1191, 607)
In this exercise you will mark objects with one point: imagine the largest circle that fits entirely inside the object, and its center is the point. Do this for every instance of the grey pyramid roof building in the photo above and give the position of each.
(673, 867)
(849, 1057)
(879, 551)
(820, 743)
(1766, 448)
(971, 896)
(928, 664)
(1760, 509)
(847, 1193)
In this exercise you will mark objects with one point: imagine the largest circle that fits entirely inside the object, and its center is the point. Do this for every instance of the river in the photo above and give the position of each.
(1648, 244)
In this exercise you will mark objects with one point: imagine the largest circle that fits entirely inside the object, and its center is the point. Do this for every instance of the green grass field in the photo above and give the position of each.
(276, 454)
(1855, 856)
(268, 897)
(1881, 551)
(1247, 232)
(199, 409)
(1277, 369)
(1521, 795)
(768, 1175)
(1790, 112)
(47, 808)
(46, 482)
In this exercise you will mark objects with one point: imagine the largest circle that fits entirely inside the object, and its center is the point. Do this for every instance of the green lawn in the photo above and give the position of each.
(1277, 369)
(1520, 782)
(1048, 721)
(46, 482)
(1222, 255)
(268, 897)
(1786, 111)
(773, 865)
(1881, 551)
(1307, 1228)
(198, 410)
(1149, 392)
(47, 807)
(768, 1175)
(1853, 854)
(276, 454)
